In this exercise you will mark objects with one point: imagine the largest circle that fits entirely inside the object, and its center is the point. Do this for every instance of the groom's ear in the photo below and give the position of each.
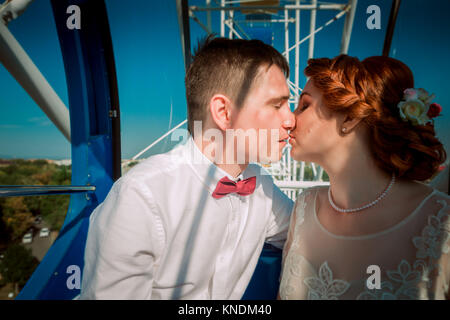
(220, 108)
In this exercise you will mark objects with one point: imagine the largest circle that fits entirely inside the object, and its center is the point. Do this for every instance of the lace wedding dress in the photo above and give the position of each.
(413, 256)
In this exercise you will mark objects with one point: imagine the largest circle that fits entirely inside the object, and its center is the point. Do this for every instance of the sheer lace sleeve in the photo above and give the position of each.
(297, 218)
(433, 246)
(442, 222)
(288, 243)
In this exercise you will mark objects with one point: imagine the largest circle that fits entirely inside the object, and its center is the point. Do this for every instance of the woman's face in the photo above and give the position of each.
(316, 133)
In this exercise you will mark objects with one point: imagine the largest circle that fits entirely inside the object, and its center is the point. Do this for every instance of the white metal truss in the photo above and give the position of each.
(21, 67)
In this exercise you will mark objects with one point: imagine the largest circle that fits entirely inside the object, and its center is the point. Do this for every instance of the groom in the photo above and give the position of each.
(191, 223)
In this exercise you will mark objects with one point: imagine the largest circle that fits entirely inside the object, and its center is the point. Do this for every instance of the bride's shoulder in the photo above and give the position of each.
(443, 201)
(419, 190)
(440, 210)
(442, 195)
(307, 196)
(311, 192)
(432, 201)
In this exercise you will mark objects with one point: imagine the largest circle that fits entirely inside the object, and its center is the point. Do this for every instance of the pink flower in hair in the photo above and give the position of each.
(410, 94)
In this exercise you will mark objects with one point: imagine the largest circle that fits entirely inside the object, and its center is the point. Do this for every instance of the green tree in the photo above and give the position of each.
(17, 266)
(16, 216)
(53, 210)
(18, 212)
(308, 174)
(4, 230)
(62, 176)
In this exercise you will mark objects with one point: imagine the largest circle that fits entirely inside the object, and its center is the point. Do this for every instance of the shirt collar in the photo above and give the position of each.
(205, 169)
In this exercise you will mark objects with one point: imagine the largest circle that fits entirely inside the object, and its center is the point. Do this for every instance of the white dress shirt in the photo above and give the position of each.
(160, 234)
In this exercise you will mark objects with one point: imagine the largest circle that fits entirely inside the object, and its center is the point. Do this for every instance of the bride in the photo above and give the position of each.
(378, 231)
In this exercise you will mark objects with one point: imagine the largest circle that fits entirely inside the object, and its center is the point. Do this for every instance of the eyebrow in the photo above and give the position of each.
(277, 99)
(305, 93)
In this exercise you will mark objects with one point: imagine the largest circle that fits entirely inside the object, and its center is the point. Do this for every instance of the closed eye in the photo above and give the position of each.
(303, 107)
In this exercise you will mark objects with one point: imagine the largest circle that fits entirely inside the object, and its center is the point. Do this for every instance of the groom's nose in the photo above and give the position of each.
(289, 121)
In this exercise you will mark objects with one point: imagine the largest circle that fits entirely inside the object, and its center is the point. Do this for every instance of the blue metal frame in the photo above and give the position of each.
(95, 132)
(92, 90)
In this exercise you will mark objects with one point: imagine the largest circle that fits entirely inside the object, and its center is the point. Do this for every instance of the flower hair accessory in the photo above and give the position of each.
(416, 106)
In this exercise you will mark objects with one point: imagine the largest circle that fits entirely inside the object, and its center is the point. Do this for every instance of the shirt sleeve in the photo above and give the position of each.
(279, 218)
(125, 239)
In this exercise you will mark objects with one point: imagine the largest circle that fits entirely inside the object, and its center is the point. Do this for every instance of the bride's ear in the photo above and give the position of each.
(348, 124)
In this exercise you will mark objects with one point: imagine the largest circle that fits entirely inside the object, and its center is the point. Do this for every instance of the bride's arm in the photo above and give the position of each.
(287, 244)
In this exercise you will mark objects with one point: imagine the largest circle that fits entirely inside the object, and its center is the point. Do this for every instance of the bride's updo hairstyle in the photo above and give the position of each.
(370, 90)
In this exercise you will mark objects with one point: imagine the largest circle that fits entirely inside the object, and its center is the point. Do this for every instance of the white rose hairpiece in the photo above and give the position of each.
(416, 106)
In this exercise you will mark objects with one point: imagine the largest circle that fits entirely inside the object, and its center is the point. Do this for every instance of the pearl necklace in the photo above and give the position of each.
(381, 196)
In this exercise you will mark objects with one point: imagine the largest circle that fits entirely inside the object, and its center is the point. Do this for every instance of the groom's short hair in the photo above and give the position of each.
(229, 67)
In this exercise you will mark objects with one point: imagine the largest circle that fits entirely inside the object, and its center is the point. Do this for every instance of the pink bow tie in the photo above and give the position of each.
(242, 187)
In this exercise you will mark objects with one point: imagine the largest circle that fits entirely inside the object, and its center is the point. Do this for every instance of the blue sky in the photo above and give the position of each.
(150, 69)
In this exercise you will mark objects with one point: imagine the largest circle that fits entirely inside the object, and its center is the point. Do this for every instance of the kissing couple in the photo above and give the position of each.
(191, 223)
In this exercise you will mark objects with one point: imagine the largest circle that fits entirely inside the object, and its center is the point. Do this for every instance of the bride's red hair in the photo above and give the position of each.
(370, 90)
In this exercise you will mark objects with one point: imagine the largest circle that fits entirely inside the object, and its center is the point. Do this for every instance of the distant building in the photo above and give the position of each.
(65, 162)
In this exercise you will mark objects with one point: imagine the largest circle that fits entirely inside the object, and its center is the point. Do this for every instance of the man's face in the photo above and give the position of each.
(264, 116)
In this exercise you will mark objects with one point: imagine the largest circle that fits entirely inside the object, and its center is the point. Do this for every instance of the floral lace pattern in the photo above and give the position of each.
(301, 207)
(324, 287)
(433, 242)
(299, 218)
(435, 236)
(293, 263)
(405, 279)
(409, 281)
